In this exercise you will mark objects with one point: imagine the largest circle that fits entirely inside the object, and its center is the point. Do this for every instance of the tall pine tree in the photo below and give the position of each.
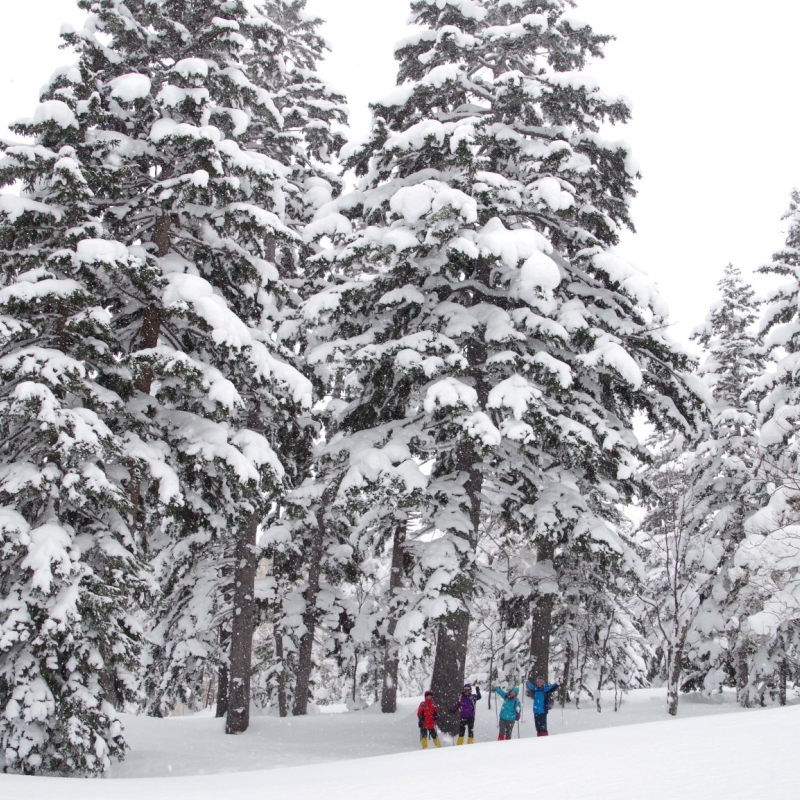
(70, 556)
(477, 303)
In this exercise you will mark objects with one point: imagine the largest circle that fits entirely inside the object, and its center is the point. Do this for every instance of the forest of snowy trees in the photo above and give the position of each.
(288, 420)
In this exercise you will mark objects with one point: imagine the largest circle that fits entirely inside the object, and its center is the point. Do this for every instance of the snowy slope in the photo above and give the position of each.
(718, 755)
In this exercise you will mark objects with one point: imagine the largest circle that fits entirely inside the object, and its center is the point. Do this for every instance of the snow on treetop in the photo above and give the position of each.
(440, 75)
(199, 294)
(414, 202)
(632, 280)
(574, 22)
(165, 128)
(230, 24)
(170, 95)
(14, 207)
(369, 464)
(617, 357)
(188, 67)
(130, 87)
(550, 191)
(467, 8)
(514, 393)
(327, 225)
(55, 111)
(396, 97)
(267, 366)
(70, 72)
(91, 251)
(256, 448)
(48, 287)
(449, 392)
(480, 426)
(49, 548)
(404, 294)
(154, 454)
(511, 246)
(518, 29)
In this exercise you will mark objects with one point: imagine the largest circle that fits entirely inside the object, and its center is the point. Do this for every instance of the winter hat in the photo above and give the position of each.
(428, 693)
(467, 687)
(540, 678)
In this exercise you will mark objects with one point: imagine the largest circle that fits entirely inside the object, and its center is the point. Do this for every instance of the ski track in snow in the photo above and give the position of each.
(712, 750)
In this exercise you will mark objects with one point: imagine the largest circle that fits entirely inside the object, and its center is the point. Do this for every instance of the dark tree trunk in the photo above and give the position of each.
(448, 667)
(283, 706)
(391, 659)
(151, 319)
(305, 650)
(242, 623)
(783, 671)
(222, 691)
(541, 620)
(451, 645)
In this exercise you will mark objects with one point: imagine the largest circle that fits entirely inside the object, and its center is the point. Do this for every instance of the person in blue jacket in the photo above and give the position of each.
(541, 702)
(509, 713)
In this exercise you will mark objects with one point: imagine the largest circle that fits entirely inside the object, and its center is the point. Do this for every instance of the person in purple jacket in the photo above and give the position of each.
(465, 705)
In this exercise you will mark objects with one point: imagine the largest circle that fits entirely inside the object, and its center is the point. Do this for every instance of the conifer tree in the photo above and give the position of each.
(177, 128)
(477, 302)
(70, 555)
(725, 469)
(768, 556)
(683, 555)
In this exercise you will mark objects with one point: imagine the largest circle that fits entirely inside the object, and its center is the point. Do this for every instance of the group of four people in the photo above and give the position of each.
(428, 712)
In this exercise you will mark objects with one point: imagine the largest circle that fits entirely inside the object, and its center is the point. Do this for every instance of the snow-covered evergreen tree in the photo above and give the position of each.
(478, 304)
(683, 556)
(725, 469)
(178, 127)
(70, 557)
(769, 555)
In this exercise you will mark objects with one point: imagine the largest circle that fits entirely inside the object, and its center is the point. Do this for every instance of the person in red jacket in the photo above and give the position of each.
(427, 713)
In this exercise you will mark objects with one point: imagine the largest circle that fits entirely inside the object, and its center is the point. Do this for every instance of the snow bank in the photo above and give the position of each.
(617, 763)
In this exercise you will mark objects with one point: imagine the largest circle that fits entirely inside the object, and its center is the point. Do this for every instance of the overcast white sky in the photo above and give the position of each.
(714, 85)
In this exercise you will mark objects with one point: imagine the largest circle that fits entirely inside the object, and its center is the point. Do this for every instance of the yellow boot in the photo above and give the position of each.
(460, 740)
(437, 742)
(471, 740)
(424, 743)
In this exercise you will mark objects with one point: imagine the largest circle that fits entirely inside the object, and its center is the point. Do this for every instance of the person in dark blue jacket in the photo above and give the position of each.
(541, 702)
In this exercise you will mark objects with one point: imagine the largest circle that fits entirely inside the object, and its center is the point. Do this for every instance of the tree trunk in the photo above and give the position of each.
(222, 691)
(242, 624)
(451, 645)
(304, 653)
(448, 667)
(674, 676)
(283, 705)
(391, 657)
(783, 671)
(742, 676)
(563, 689)
(541, 620)
(151, 320)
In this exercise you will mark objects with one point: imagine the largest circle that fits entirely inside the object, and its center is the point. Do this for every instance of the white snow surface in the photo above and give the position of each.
(706, 753)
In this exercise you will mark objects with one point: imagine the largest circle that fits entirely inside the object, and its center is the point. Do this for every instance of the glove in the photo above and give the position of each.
(517, 716)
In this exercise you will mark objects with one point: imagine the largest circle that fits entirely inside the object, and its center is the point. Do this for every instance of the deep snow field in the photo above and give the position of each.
(712, 750)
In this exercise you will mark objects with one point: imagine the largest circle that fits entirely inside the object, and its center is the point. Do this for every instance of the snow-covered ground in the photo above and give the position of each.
(712, 750)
